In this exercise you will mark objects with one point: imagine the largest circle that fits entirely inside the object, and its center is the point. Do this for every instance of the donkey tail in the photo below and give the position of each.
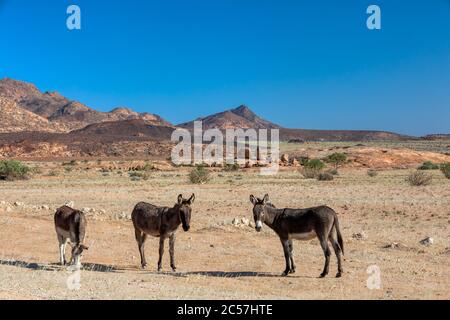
(339, 234)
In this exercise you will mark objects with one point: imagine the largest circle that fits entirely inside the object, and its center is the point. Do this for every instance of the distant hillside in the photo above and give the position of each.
(436, 136)
(339, 135)
(243, 117)
(126, 128)
(64, 114)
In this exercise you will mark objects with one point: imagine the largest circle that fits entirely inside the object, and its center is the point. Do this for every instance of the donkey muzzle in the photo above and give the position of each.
(258, 226)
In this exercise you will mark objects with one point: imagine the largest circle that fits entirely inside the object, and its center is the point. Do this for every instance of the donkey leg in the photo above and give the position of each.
(338, 252)
(172, 252)
(291, 251)
(287, 256)
(162, 239)
(326, 250)
(62, 250)
(140, 239)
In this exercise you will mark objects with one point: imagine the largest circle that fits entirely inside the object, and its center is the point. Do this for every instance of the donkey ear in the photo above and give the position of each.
(192, 199)
(180, 199)
(266, 199)
(253, 199)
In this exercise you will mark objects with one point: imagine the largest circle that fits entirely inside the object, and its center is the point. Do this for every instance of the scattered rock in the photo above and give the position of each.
(427, 241)
(241, 222)
(8, 209)
(18, 204)
(394, 245)
(45, 207)
(69, 204)
(359, 236)
(285, 158)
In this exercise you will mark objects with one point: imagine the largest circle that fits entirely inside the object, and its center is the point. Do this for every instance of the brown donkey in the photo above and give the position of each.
(301, 224)
(161, 222)
(70, 225)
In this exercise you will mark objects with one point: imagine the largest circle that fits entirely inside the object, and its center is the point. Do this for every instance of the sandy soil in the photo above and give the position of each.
(216, 259)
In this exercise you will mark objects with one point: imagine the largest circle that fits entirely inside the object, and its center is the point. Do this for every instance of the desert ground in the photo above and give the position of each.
(383, 220)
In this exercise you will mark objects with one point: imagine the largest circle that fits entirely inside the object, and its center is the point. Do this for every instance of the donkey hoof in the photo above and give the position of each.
(285, 273)
(292, 271)
(338, 275)
(144, 265)
(323, 275)
(159, 269)
(174, 269)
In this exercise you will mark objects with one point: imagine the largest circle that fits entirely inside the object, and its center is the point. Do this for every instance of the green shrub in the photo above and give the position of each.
(199, 175)
(303, 160)
(445, 169)
(13, 170)
(337, 159)
(312, 168)
(419, 178)
(314, 164)
(428, 165)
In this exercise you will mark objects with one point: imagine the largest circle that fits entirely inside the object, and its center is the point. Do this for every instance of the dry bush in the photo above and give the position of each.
(419, 178)
(372, 173)
(325, 176)
(199, 175)
(310, 173)
(445, 169)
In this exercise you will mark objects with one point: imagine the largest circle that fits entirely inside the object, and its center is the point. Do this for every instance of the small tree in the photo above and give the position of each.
(337, 159)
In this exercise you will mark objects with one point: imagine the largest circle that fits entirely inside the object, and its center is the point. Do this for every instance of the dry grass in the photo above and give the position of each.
(217, 260)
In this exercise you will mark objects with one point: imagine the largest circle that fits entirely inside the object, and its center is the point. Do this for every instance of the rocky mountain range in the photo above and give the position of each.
(56, 112)
(37, 123)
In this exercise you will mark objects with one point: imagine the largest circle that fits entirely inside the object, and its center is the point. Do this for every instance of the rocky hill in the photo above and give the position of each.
(63, 114)
(241, 117)
(14, 118)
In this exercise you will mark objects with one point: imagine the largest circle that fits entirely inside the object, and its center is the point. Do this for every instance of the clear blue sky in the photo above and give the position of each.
(308, 64)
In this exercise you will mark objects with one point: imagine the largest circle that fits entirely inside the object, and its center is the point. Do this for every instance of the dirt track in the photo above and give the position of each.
(218, 260)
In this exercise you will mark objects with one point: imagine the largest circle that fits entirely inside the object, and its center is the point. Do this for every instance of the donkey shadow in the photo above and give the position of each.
(95, 267)
(225, 274)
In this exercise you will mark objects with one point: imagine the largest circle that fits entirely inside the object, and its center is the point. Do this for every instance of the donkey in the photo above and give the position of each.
(161, 222)
(301, 224)
(70, 225)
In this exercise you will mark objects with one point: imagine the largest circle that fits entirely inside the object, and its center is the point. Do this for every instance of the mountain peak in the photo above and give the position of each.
(245, 112)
